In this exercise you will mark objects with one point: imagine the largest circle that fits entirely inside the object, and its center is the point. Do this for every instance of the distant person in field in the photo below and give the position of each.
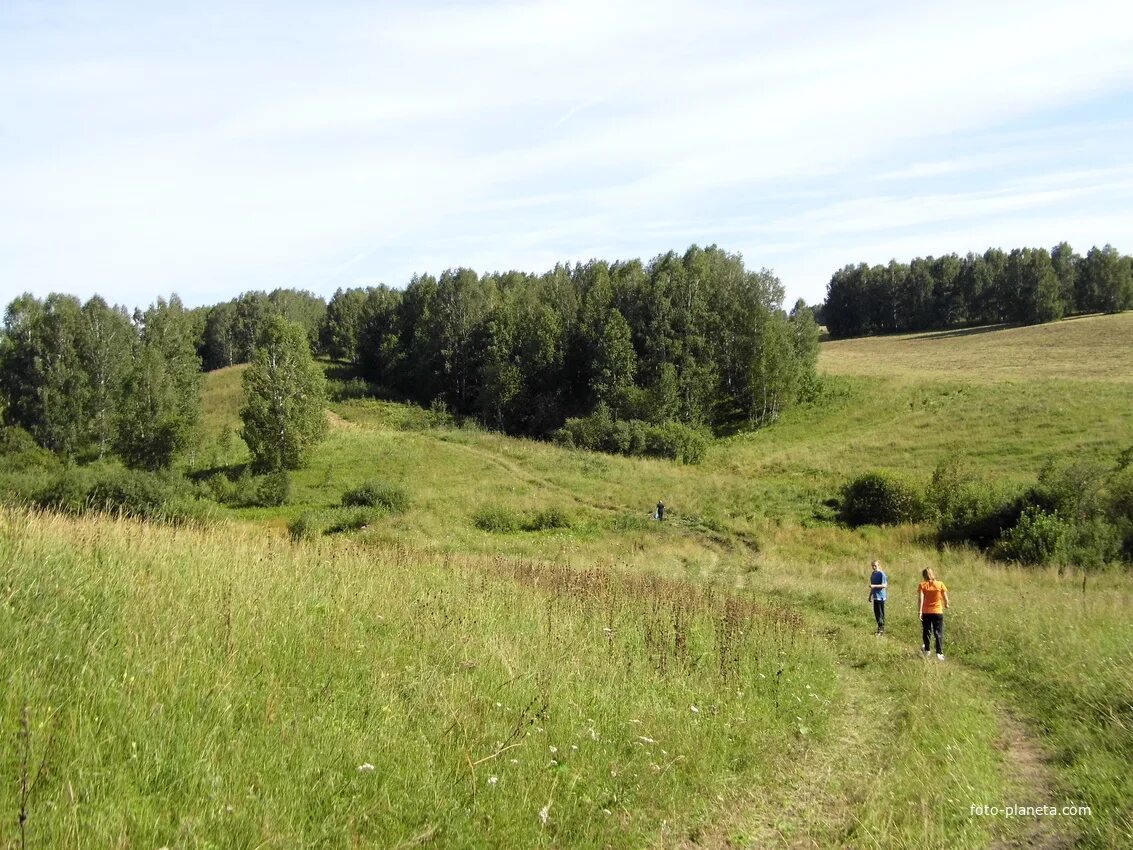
(878, 592)
(933, 599)
(660, 510)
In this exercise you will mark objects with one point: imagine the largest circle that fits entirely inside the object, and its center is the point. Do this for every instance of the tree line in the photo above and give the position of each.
(87, 381)
(695, 339)
(1025, 286)
(618, 356)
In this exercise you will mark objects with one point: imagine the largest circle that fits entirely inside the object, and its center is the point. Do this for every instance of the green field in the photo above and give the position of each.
(709, 681)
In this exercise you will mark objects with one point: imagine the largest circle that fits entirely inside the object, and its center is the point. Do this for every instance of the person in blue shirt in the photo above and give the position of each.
(878, 592)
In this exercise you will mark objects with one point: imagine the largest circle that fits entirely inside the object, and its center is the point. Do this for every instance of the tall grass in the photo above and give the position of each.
(183, 688)
(1051, 647)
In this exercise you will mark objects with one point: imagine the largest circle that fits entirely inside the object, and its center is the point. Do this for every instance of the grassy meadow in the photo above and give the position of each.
(435, 679)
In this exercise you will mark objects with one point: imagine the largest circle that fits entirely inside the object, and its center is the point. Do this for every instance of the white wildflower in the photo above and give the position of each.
(365, 768)
(492, 780)
(545, 814)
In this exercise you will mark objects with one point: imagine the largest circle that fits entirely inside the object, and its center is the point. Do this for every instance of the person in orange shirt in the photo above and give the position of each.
(933, 600)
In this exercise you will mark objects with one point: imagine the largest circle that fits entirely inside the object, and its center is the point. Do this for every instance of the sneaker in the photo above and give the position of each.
(924, 652)
(939, 656)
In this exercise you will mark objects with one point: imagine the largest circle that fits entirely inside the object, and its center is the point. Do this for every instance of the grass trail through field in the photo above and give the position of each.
(852, 788)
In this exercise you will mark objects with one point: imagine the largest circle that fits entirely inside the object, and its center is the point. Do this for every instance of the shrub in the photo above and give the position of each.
(135, 493)
(548, 519)
(67, 492)
(977, 514)
(677, 442)
(274, 489)
(497, 520)
(349, 519)
(377, 494)
(878, 498)
(351, 388)
(439, 416)
(1072, 489)
(1093, 543)
(1119, 505)
(131, 492)
(1039, 538)
(600, 432)
(306, 526)
(19, 451)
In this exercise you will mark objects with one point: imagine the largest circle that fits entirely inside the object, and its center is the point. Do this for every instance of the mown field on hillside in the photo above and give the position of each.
(426, 680)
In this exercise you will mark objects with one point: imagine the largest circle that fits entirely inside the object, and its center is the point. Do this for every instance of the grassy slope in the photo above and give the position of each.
(854, 768)
(1007, 400)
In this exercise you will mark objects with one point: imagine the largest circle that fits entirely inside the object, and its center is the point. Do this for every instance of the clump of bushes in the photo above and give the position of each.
(378, 494)
(352, 388)
(879, 498)
(1078, 512)
(969, 510)
(274, 489)
(498, 519)
(239, 488)
(126, 492)
(1038, 538)
(19, 452)
(548, 519)
(312, 524)
(306, 526)
(602, 433)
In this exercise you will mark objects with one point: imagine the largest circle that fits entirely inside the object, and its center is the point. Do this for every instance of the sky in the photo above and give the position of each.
(209, 148)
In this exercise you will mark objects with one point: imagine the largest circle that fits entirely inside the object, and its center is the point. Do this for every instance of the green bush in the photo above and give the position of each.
(1072, 488)
(1094, 543)
(677, 442)
(548, 519)
(349, 519)
(978, 514)
(274, 489)
(245, 490)
(306, 526)
(377, 494)
(19, 452)
(68, 492)
(128, 492)
(601, 433)
(351, 389)
(1119, 504)
(132, 493)
(220, 488)
(1039, 538)
(878, 498)
(497, 520)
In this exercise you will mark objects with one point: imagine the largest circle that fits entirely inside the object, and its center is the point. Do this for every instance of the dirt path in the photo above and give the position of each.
(847, 771)
(1027, 762)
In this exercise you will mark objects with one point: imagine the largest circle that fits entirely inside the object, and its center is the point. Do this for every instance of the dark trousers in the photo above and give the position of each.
(934, 624)
(879, 613)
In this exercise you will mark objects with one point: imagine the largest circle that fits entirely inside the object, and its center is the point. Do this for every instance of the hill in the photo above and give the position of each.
(717, 672)
(1085, 348)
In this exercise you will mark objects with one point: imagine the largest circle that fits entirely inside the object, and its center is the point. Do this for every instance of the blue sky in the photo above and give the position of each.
(207, 148)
